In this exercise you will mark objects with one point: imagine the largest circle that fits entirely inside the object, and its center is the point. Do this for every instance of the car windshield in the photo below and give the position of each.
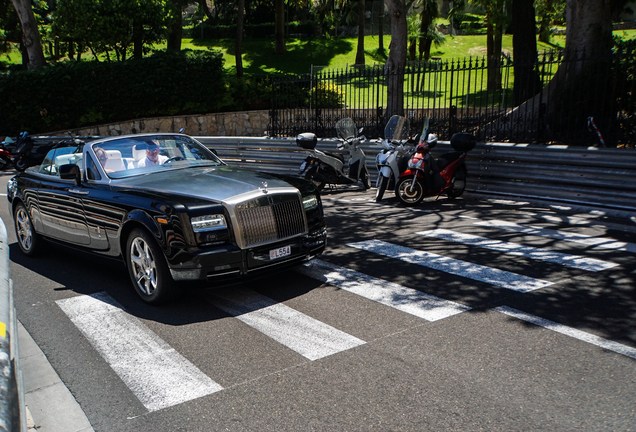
(132, 156)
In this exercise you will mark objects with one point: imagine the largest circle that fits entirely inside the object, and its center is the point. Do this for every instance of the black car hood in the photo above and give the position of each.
(212, 183)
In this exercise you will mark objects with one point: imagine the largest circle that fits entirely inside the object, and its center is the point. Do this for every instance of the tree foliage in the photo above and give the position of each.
(111, 26)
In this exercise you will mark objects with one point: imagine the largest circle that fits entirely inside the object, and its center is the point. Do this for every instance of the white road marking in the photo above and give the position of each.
(465, 269)
(599, 242)
(305, 335)
(575, 261)
(158, 375)
(405, 299)
(569, 331)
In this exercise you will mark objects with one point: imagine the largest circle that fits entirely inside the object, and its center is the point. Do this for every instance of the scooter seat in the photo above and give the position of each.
(445, 159)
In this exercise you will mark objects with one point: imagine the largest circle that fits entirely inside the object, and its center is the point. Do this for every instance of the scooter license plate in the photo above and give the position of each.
(302, 166)
(279, 252)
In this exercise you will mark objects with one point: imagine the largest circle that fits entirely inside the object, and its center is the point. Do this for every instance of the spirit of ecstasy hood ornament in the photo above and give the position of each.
(264, 188)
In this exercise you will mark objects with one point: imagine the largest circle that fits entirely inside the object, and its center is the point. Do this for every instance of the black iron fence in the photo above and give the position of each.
(468, 95)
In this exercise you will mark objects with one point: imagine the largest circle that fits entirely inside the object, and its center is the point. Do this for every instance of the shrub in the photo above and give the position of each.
(75, 94)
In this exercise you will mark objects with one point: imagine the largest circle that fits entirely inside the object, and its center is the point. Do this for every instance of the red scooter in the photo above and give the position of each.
(6, 159)
(429, 176)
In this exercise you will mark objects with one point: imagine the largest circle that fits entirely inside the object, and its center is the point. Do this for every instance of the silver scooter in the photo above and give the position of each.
(396, 152)
(323, 168)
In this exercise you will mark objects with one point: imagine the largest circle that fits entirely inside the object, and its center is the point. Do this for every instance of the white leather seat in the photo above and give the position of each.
(114, 162)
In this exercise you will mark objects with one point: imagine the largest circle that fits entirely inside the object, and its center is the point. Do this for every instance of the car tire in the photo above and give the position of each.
(148, 268)
(407, 195)
(383, 182)
(28, 240)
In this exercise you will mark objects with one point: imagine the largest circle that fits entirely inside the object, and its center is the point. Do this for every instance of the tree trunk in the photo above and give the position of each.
(175, 29)
(571, 96)
(394, 66)
(361, 17)
(138, 41)
(524, 45)
(238, 51)
(279, 46)
(30, 34)
(203, 4)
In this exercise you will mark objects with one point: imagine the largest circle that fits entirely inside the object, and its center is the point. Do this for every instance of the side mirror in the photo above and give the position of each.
(71, 172)
(432, 140)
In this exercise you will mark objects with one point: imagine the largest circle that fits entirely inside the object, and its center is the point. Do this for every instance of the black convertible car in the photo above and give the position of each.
(169, 208)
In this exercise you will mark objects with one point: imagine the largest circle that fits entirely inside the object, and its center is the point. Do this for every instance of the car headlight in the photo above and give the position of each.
(310, 202)
(208, 223)
(12, 187)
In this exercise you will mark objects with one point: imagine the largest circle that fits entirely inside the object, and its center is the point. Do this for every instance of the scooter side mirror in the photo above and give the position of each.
(432, 140)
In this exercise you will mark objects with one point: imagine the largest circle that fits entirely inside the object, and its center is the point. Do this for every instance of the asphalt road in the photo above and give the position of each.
(463, 315)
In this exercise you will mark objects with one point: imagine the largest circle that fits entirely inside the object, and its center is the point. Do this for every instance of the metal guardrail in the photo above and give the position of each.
(12, 408)
(587, 176)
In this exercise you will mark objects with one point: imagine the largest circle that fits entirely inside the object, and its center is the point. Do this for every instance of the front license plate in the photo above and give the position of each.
(280, 252)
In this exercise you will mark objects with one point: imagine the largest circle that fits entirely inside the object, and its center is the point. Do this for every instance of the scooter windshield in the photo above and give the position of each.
(397, 129)
(346, 129)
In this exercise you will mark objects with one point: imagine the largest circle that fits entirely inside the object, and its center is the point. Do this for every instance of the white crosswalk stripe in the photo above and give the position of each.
(405, 299)
(158, 375)
(297, 331)
(599, 242)
(465, 269)
(569, 331)
(574, 261)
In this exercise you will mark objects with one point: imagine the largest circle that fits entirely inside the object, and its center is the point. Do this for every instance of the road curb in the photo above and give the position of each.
(42, 385)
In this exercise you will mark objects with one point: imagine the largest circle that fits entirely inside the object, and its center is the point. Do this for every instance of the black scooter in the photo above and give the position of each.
(25, 155)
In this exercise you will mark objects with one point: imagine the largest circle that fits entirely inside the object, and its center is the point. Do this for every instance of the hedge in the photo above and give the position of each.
(76, 94)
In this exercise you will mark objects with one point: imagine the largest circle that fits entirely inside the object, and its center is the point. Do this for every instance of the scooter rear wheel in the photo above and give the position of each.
(408, 193)
(383, 182)
(459, 182)
(21, 164)
(320, 185)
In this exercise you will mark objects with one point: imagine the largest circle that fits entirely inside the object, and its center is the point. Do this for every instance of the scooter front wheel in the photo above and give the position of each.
(364, 177)
(383, 182)
(409, 193)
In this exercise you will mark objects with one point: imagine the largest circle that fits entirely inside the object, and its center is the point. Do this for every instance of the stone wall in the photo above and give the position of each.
(243, 123)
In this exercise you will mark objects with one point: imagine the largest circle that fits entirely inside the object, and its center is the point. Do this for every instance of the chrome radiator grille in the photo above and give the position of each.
(270, 218)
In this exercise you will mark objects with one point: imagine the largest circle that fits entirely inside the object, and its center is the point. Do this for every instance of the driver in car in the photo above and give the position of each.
(152, 156)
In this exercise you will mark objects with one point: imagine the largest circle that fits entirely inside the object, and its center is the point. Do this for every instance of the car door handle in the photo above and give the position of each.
(78, 192)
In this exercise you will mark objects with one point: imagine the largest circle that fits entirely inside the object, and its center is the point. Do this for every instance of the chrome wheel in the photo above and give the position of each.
(143, 266)
(28, 239)
(148, 268)
(409, 193)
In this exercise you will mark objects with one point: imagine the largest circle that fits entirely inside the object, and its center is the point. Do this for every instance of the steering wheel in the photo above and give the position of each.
(174, 158)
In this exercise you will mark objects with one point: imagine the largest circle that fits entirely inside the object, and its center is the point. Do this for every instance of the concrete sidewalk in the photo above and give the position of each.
(50, 405)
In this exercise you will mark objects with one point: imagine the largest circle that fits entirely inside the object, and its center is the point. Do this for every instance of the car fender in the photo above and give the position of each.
(138, 218)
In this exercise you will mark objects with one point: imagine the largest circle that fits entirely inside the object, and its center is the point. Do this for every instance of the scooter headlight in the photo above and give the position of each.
(416, 163)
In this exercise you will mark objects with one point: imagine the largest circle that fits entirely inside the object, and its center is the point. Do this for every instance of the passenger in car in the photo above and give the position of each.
(152, 156)
(102, 156)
